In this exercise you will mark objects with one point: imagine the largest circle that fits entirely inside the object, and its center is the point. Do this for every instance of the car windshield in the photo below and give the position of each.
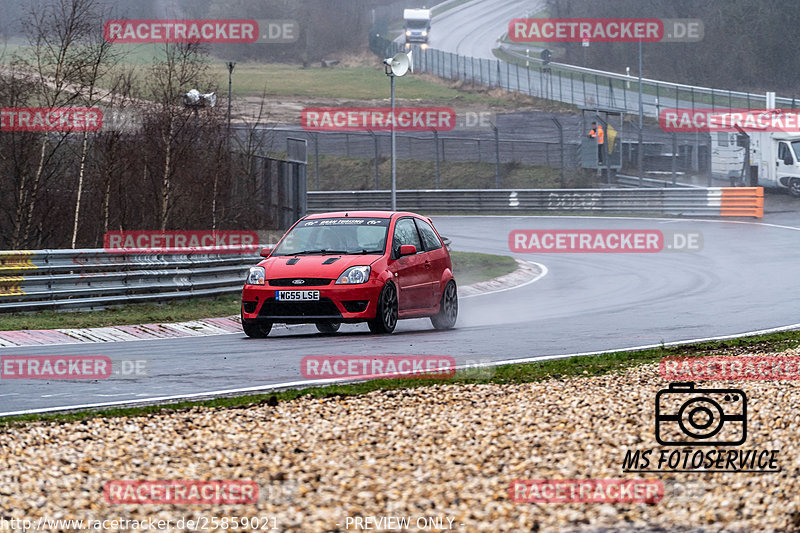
(416, 24)
(796, 148)
(344, 235)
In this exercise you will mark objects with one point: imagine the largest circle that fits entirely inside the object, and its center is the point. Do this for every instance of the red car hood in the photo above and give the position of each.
(311, 266)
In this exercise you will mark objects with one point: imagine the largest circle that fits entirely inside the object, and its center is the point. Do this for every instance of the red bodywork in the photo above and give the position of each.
(420, 279)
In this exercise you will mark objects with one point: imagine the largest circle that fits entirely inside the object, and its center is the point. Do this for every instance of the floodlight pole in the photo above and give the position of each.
(231, 64)
(394, 162)
(641, 112)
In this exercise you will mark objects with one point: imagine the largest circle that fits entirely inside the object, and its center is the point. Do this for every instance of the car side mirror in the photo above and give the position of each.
(407, 249)
(267, 250)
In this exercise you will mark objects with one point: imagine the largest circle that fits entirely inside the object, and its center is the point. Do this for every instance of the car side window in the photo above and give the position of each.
(429, 237)
(783, 151)
(405, 232)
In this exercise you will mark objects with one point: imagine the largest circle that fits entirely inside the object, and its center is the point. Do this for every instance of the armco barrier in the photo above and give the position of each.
(82, 279)
(712, 201)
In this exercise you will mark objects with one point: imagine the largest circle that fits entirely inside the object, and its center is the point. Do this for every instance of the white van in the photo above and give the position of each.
(417, 25)
(773, 162)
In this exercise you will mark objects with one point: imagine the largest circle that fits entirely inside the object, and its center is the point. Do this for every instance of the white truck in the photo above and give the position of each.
(774, 159)
(417, 25)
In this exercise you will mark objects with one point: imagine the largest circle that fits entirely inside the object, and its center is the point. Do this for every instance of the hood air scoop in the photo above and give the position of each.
(330, 260)
(293, 260)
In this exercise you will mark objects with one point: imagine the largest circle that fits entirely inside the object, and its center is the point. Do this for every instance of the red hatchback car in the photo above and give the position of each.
(354, 266)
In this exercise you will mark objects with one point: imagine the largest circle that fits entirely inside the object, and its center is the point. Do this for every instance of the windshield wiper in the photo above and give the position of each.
(368, 252)
(320, 252)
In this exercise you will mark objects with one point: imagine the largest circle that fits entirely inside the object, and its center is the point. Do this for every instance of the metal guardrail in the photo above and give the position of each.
(573, 84)
(708, 201)
(90, 278)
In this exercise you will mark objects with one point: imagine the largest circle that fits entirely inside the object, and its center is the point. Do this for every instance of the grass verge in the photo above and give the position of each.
(469, 267)
(340, 173)
(586, 366)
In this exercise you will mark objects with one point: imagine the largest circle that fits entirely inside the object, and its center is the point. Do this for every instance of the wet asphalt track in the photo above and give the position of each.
(744, 279)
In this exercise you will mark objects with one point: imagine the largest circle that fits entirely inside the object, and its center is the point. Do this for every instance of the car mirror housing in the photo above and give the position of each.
(407, 249)
(267, 250)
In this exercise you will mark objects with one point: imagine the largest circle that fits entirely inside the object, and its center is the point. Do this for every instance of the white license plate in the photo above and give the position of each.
(296, 296)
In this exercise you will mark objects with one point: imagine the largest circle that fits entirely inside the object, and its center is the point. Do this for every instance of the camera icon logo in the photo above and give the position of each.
(703, 417)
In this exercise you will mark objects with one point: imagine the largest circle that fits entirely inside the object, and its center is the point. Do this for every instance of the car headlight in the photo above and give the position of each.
(256, 276)
(354, 275)
(408, 32)
(424, 33)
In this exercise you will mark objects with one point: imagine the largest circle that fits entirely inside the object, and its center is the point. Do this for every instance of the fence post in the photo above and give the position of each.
(583, 79)
(560, 91)
(611, 93)
(436, 144)
(597, 91)
(519, 87)
(528, 70)
(541, 86)
(375, 138)
(572, 88)
(561, 148)
(499, 81)
(316, 158)
(496, 157)
(674, 158)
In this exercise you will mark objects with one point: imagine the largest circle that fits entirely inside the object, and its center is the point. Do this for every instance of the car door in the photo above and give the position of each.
(785, 162)
(410, 273)
(435, 261)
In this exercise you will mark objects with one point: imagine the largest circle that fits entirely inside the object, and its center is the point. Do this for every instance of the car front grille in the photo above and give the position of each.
(322, 308)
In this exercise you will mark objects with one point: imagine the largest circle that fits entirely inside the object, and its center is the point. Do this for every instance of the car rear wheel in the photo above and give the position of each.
(386, 315)
(328, 327)
(256, 330)
(448, 308)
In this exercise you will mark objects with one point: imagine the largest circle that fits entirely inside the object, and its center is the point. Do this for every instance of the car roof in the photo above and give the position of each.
(370, 214)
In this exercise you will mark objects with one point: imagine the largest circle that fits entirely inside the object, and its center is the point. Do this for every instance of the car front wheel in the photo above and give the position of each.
(256, 330)
(448, 308)
(794, 187)
(386, 315)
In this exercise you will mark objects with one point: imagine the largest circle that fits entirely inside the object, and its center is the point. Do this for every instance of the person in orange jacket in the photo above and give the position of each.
(597, 132)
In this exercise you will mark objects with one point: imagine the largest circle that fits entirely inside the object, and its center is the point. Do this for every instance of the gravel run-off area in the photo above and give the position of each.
(439, 452)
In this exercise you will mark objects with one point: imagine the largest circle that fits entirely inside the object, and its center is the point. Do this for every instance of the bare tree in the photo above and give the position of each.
(57, 59)
(183, 68)
(99, 60)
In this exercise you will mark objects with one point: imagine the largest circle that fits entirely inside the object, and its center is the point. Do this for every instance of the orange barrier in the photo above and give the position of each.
(742, 202)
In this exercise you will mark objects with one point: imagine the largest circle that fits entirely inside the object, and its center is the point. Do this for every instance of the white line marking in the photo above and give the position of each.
(537, 278)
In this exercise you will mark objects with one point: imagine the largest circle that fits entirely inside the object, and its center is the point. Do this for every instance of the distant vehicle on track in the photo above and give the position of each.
(355, 266)
(417, 25)
(774, 158)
